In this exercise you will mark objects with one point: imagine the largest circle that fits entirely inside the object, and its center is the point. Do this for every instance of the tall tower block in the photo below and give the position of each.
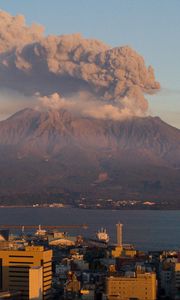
(119, 234)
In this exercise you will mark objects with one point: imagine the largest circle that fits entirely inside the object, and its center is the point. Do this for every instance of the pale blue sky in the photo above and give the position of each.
(152, 27)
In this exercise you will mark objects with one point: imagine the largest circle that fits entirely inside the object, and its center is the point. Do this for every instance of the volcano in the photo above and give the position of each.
(53, 155)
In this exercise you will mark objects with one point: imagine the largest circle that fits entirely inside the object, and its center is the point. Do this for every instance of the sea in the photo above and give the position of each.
(147, 230)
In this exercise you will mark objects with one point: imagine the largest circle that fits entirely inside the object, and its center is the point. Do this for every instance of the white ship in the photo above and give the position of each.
(102, 235)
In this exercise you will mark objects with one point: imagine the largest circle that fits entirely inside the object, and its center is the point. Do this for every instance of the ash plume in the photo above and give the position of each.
(15, 33)
(83, 75)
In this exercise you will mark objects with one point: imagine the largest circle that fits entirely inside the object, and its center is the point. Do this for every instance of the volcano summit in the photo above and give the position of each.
(86, 132)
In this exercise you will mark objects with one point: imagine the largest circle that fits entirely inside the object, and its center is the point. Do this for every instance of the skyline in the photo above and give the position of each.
(154, 35)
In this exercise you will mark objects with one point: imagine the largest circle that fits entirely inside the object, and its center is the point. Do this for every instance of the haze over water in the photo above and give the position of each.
(146, 230)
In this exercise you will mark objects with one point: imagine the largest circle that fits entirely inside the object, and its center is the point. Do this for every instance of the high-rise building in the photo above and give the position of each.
(36, 283)
(17, 267)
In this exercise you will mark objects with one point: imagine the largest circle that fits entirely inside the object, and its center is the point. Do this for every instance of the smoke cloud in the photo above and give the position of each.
(15, 33)
(82, 75)
(87, 105)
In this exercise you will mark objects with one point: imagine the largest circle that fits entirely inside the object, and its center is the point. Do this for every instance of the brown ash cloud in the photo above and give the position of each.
(83, 75)
(15, 33)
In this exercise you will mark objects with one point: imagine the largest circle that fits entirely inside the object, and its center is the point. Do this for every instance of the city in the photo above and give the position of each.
(49, 264)
(89, 150)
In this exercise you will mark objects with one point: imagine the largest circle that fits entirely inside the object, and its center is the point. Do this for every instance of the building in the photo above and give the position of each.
(36, 283)
(167, 277)
(124, 251)
(166, 282)
(121, 249)
(72, 286)
(134, 285)
(17, 267)
(170, 278)
(176, 281)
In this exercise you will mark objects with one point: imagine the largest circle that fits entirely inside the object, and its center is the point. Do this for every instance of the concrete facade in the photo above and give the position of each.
(16, 265)
(139, 286)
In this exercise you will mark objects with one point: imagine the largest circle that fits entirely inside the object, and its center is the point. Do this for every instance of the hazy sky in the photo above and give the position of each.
(151, 27)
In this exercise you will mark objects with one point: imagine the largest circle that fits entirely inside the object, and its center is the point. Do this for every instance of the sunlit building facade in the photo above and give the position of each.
(17, 269)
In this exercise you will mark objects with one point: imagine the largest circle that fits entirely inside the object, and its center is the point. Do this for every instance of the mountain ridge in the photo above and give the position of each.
(68, 154)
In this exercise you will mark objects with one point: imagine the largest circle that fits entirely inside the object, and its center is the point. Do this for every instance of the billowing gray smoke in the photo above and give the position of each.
(82, 75)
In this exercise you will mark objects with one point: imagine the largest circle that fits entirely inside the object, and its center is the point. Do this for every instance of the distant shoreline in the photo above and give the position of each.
(32, 206)
(94, 208)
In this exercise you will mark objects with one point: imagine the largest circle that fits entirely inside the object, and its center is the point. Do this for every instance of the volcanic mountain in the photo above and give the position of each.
(50, 155)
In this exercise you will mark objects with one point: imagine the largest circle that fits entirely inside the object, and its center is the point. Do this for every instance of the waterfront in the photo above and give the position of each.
(146, 230)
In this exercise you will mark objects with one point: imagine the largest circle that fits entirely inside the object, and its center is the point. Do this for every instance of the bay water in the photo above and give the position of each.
(145, 229)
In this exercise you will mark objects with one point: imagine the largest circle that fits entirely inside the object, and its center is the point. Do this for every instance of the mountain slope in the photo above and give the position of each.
(47, 153)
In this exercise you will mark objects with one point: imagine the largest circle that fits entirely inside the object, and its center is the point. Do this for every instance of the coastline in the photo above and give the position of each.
(139, 208)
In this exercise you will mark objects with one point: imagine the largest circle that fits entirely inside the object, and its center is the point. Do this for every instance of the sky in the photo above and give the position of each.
(152, 28)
